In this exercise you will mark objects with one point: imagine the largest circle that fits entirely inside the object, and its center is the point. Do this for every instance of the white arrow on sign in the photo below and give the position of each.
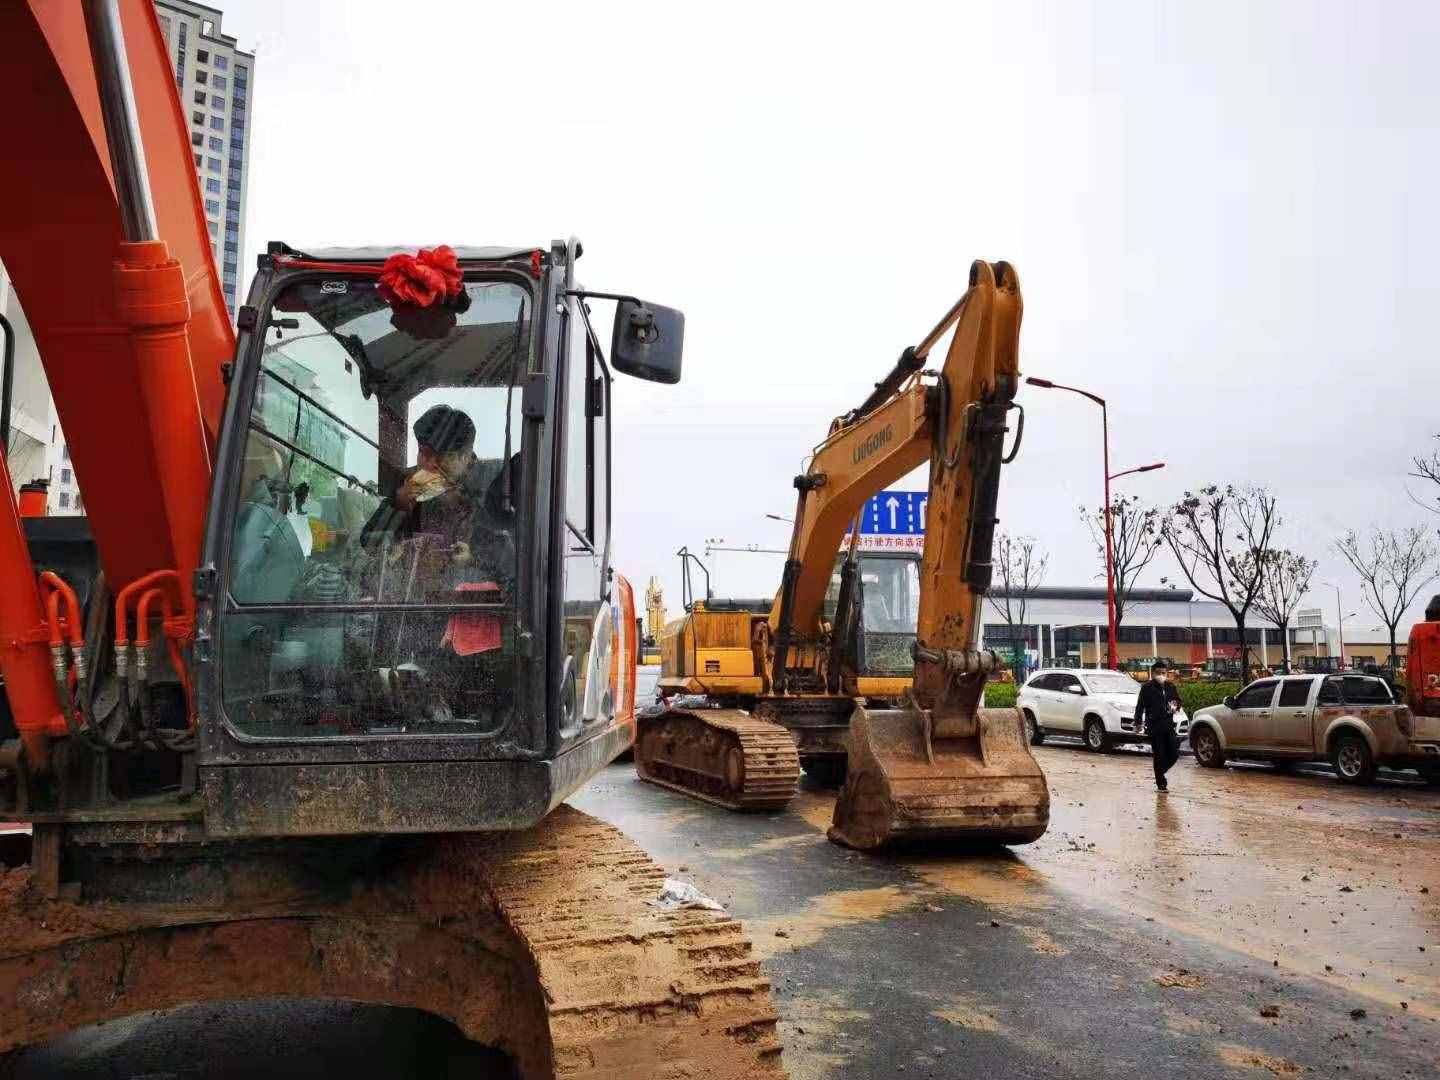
(894, 505)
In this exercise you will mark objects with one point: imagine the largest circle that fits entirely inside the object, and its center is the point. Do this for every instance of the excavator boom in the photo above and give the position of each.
(944, 767)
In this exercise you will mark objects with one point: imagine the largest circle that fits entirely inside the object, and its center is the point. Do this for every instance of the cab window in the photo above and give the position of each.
(890, 595)
(1256, 695)
(1294, 692)
(1360, 690)
(380, 469)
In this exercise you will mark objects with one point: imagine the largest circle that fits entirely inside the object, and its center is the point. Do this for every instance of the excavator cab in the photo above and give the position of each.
(879, 627)
(406, 587)
(405, 615)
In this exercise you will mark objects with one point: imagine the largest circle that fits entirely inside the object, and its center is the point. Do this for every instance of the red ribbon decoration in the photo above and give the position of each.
(422, 279)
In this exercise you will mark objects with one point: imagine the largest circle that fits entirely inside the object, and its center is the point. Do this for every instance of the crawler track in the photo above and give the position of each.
(540, 943)
(724, 756)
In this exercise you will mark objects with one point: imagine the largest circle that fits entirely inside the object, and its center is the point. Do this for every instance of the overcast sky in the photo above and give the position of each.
(1223, 216)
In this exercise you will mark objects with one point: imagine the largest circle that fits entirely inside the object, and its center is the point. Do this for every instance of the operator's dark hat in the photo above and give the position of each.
(1159, 665)
(444, 429)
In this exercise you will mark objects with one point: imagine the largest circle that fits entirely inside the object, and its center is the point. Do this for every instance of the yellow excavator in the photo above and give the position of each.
(784, 682)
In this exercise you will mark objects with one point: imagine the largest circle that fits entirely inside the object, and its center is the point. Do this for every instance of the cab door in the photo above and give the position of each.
(1290, 727)
(1069, 707)
(1250, 716)
(586, 636)
(1041, 698)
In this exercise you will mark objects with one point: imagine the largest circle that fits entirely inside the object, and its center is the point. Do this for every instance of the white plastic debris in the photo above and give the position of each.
(681, 894)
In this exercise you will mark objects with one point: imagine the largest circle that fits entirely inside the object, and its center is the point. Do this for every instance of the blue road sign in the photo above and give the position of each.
(894, 513)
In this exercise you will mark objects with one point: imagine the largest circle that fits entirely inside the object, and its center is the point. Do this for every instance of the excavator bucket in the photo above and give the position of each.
(906, 786)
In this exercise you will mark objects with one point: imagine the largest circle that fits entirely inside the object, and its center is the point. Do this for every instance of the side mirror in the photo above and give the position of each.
(1075, 690)
(647, 341)
(1229, 701)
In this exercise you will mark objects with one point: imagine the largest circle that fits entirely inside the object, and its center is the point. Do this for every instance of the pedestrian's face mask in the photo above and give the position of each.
(1159, 677)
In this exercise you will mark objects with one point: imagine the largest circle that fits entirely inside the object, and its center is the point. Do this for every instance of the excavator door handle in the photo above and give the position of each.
(1019, 434)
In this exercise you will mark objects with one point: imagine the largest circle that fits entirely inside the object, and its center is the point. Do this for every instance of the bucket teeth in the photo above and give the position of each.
(724, 756)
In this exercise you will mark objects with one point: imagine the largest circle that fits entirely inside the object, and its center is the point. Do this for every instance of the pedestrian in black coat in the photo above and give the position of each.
(1156, 707)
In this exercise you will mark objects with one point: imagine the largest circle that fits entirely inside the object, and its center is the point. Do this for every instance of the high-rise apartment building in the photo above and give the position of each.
(215, 80)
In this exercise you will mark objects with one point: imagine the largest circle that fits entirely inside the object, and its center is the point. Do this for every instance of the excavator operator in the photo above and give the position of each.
(446, 530)
(438, 496)
(451, 498)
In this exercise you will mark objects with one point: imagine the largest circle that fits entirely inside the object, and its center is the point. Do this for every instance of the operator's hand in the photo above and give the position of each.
(460, 553)
(420, 486)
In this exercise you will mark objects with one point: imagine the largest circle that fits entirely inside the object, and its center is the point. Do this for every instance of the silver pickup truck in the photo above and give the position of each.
(1352, 721)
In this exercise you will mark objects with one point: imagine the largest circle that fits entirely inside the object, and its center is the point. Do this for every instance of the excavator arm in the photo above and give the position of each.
(943, 766)
(956, 419)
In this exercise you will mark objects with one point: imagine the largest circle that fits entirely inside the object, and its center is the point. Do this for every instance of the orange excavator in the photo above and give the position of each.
(293, 710)
(785, 677)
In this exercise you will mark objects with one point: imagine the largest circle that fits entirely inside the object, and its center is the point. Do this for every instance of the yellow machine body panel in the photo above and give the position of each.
(709, 652)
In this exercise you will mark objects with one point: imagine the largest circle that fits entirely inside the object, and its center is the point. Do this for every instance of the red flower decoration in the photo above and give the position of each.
(423, 279)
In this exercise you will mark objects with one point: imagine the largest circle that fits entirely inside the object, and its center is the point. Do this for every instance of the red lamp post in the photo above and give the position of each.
(1046, 384)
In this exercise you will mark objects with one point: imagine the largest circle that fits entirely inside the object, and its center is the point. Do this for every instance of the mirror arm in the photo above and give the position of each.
(590, 331)
(585, 294)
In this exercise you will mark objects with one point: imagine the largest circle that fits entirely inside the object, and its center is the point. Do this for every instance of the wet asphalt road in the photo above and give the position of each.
(1142, 936)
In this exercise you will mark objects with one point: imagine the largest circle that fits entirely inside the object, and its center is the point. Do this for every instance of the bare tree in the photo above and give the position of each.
(1135, 538)
(1428, 468)
(1393, 566)
(1284, 581)
(1020, 568)
(1220, 536)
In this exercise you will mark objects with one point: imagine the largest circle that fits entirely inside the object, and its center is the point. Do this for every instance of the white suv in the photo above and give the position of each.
(1098, 706)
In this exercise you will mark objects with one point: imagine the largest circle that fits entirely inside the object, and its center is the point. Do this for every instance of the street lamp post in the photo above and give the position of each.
(1339, 619)
(1113, 646)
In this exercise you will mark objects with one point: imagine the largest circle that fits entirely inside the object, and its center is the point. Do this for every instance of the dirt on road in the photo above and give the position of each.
(1245, 922)
(1337, 882)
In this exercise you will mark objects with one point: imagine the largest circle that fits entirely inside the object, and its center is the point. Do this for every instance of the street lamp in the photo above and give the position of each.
(1047, 384)
(1339, 618)
(777, 517)
(1141, 468)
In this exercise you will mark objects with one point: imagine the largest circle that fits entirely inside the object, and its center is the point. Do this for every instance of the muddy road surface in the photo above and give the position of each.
(1247, 923)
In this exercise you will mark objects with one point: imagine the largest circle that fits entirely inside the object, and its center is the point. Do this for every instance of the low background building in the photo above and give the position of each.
(1067, 625)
